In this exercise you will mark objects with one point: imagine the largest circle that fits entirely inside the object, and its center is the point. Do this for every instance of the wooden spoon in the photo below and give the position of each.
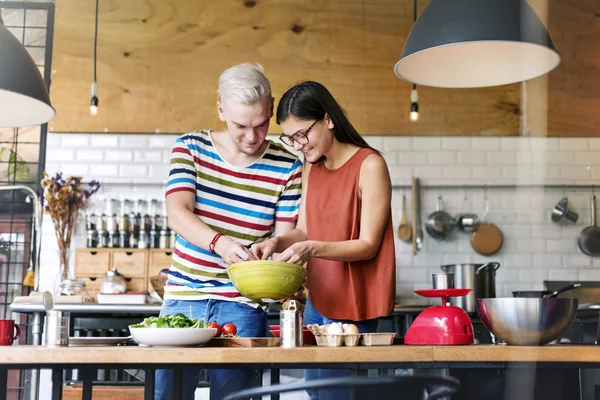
(404, 229)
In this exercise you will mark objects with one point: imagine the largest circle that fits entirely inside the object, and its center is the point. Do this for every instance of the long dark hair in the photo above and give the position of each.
(311, 101)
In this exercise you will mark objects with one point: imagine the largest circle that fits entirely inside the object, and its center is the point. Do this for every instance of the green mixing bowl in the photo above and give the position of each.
(267, 280)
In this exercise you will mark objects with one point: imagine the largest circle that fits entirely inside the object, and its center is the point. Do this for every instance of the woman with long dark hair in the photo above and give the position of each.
(344, 230)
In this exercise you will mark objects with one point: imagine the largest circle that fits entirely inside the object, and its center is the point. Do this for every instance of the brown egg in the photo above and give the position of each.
(351, 329)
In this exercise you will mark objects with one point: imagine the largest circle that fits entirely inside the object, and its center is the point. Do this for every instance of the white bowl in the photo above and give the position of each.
(171, 337)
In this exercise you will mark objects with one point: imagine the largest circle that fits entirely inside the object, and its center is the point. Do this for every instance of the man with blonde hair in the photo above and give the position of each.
(227, 189)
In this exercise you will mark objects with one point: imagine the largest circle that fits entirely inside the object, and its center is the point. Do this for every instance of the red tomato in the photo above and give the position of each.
(229, 329)
(217, 327)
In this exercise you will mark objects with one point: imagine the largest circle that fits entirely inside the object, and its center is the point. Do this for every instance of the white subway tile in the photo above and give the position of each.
(404, 290)
(391, 157)
(563, 274)
(524, 157)
(460, 172)
(530, 245)
(546, 231)
(574, 143)
(506, 275)
(412, 158)
(374, 141)
(562, 246)
(456, 143)
(581, 172)
(589, 275)
(89, 155)
(118, 155)
(148, 156)
(487, 173)
(412, 275)
(133, 171)
(533, 275)
(517, 231)
(400, 175)
(74, 169)
(587, 158)
(401, 143)
(501, 158)
(577, 261)
(514, 143)
(544, 143)
(79, 140)
(404, 260)
(516, 173)
(520, 261)
(428, 172)
(485, 143)
(562, 157)
(427, 143)
(427, 260)
(104, 170)
(52, 167)
(443, 247)
(104, 140)
(545, 173)
(60, 155)
(133, 141)
(471, 158)
(547, 260)
(594, 143)
(159, 172)
(444, 158)
(162, 141)
(53, 140)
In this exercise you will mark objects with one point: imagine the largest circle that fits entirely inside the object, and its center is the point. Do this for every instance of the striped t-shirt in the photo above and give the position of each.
(242, 202)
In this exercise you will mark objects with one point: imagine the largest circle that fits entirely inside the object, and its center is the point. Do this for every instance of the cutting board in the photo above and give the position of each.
(244, 342)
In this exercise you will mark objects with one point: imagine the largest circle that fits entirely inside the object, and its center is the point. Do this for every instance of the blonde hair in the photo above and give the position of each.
(245, 83)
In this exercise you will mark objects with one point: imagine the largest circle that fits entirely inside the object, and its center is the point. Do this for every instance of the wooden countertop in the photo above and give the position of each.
(40, 355)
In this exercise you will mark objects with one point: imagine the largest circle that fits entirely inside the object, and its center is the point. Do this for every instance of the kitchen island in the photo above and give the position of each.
(382, 358)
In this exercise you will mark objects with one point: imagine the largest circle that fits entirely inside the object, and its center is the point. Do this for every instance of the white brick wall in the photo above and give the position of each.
(534, 248)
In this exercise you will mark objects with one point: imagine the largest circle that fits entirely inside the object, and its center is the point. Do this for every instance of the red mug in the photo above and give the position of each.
(8, 332)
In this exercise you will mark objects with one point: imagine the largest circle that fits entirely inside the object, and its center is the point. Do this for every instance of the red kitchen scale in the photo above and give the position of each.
(443, 325)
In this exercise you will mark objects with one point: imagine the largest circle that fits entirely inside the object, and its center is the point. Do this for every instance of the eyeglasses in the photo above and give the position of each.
(299, 137)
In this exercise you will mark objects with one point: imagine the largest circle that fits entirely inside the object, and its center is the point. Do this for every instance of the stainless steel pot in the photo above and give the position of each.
(479, 277)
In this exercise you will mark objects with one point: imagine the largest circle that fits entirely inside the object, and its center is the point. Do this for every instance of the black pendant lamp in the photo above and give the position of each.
(476, 43)
(24, 99)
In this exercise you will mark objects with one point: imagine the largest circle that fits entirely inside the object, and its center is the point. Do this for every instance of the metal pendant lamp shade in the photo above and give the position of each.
(476, 43)
(24, 99)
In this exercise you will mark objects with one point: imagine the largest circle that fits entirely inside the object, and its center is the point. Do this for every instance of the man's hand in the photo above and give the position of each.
(298, 253)
(264, 250)
(231, 251)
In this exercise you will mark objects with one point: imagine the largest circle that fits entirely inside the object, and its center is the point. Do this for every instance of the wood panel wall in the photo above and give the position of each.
(159, 63)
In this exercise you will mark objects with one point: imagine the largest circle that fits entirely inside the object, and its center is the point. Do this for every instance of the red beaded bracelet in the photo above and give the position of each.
(211, 246)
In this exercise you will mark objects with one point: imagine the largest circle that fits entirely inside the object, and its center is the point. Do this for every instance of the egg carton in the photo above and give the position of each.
(378, 339)
(349, 340)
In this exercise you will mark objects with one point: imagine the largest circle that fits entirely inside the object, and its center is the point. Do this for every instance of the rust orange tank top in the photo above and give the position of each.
(356, 290)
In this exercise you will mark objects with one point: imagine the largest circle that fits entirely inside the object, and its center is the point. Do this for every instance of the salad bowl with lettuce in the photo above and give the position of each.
(171, 330)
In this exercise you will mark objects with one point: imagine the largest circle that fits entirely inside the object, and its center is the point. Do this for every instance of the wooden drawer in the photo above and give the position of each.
(159, 259)
(90, 262)
(130, 263)
(92, 284)
(104, 392)
(137, 285)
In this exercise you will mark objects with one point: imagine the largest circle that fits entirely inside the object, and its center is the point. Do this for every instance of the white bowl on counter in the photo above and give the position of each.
(172, 337)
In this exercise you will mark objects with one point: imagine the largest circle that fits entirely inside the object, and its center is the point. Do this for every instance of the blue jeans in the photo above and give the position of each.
(249, 322)
(312, 316)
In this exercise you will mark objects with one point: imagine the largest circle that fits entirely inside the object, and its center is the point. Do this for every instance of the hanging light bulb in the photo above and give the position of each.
(94, 89)
(414, 104)
(94, 102)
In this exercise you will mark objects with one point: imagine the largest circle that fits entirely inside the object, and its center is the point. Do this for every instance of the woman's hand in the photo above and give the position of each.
(264, 250)
(298, 253)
